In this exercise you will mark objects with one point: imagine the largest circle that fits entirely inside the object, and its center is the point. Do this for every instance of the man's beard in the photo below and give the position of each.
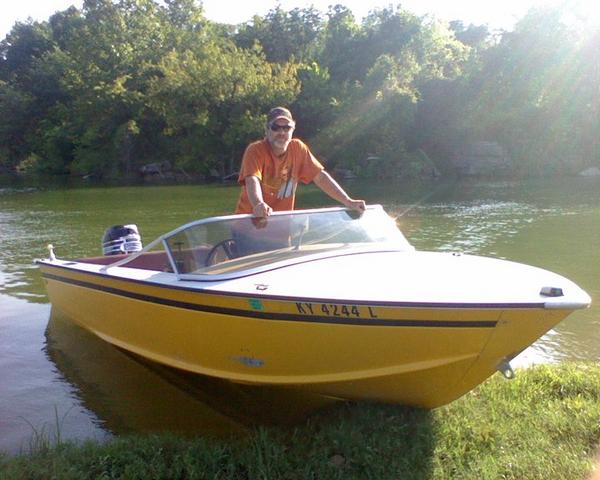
(280, 144)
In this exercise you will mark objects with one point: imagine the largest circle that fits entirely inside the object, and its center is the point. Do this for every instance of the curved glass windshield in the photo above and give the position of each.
(241, 242)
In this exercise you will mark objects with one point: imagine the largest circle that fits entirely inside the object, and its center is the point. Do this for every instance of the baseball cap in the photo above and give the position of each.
(279, 112)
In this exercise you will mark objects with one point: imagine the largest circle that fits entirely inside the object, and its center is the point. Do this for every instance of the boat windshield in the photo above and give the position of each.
(226, 245)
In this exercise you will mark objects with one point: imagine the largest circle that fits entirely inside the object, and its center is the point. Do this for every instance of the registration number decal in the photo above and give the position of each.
(335, 310)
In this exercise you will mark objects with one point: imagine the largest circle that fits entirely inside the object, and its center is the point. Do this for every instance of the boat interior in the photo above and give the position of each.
(157, 260)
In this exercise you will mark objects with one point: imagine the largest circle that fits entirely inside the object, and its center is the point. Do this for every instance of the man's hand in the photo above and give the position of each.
(358, 205)
(261, 210)
(254, 191)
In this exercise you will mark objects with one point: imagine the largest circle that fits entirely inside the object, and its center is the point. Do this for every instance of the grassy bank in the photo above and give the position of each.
(545, 424)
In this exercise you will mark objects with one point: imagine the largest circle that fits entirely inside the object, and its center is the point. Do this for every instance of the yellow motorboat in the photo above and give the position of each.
(322, 300)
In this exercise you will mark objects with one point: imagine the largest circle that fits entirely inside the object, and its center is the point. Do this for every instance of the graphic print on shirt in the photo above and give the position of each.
(288, 184)
(282, 182)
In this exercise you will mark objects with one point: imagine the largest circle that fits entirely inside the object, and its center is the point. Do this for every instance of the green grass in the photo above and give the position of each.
(545, 424)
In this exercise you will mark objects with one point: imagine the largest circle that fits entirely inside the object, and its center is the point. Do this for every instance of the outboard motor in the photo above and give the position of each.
(121, 239)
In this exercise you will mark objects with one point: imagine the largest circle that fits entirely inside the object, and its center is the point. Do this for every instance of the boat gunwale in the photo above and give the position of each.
(288, 298)
(284, 316)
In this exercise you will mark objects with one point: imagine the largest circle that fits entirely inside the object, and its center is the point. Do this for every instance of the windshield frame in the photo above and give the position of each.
(270, 258)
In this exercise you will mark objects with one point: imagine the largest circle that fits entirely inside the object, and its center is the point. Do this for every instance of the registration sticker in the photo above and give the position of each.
(255, 304)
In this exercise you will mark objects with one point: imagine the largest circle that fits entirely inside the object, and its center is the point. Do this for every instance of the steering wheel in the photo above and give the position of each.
(224, 248)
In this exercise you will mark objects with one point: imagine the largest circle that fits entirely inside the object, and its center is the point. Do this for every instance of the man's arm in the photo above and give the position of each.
(254, 191)
(324, 181)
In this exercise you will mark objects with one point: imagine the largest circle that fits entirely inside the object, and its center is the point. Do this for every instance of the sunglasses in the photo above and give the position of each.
(278, 128)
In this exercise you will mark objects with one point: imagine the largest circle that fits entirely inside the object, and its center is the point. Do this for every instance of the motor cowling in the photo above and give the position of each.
(120, 239)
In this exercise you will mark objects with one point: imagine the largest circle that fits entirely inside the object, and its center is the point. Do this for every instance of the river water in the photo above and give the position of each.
(56, 380)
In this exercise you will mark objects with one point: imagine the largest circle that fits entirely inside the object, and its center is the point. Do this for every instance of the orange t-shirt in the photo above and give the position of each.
(278, 176)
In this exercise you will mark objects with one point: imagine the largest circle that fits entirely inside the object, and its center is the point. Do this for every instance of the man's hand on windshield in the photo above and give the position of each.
(261, 210)
(358, 205)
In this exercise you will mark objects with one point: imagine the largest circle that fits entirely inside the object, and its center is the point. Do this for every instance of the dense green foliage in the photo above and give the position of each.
(544, 424)
(121, 83)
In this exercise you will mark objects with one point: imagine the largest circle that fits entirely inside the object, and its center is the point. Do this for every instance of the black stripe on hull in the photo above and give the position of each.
(276, 316)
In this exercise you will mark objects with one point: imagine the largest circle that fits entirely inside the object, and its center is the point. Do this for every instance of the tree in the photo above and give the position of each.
(14, 109)
(25, 43)
(284, 36)
(342, 37)
(474, 36)
(394, 55)
(524, 94)
(214, 101)
(118, 83)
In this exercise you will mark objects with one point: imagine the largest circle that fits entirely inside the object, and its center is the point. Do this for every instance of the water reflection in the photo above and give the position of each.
(128, 394)
(474, 228)
(34, 395)
(20, 239)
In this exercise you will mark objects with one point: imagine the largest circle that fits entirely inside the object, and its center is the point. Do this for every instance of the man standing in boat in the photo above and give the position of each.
(272, 167)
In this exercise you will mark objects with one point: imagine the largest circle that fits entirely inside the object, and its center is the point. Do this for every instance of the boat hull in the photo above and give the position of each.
(422, 355)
